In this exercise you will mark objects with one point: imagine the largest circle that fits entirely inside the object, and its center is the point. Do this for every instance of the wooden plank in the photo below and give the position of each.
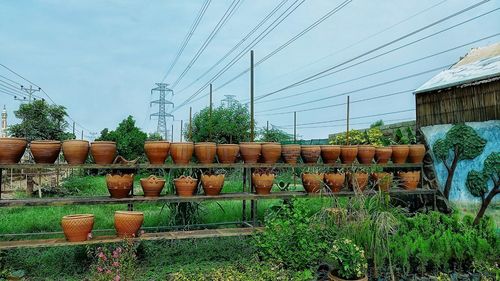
(172, 235)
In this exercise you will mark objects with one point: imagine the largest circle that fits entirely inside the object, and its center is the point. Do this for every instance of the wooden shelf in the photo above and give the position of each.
(61, 201)
(171, 235)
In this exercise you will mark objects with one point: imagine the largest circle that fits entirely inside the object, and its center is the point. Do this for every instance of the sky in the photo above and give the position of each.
(100, 59)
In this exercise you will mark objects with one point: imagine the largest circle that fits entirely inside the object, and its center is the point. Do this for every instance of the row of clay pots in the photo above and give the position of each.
(78, 228)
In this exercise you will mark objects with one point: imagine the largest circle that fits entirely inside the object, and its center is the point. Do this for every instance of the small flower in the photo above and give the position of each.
(100, 269)
(116, 264)
(89, 236)
(117, 278)
(108, 271)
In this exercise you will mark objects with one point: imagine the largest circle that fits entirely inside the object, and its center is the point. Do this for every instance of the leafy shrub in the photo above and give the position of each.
(115, 263)
(348, 259)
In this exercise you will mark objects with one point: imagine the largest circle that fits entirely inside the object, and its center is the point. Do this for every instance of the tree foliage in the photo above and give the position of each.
(129, 138)
(224, 125)
(273, 135)
(41, 121)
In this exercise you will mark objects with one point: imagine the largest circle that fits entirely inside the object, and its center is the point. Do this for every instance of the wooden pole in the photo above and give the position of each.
(252, 121)
(294, 126)
(190, 123)
(172, 132)
(180, 137)
(210, 104)
(347, 133)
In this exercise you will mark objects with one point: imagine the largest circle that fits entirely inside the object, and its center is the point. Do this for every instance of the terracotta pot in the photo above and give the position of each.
(119, 186)
(250, 151)
(332, 277)
(365, 154)
(77, 228)
(205, 152)
(290, 153)
(409, 180)
(185, 186)
(416, 153)
(335, 181)
(271, 152)
(312, 183)
(45, 151)
(103, 152)
(212, 184)
(227, 153)
(152, 186)
(75, 151)
(181, 152)
(11, 150)
(330, 153)
(359, 181)
(383, 154)
(157, 151)
(383, 180)
(128, 223)
(262, 183)
(310, 153)
(348, 153)
(400, 153)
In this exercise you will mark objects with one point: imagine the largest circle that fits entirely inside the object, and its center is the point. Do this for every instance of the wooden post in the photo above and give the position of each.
(252, 121)
(190, 123)
(180, 137)
(172, 133)
(294, 126)
(347, 132)
(210, 104)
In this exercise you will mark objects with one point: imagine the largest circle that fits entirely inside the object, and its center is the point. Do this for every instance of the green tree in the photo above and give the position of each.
(460, 143)
(223, 125)
(477, 183)
(129, 138)
(41, 121)
(273, 135)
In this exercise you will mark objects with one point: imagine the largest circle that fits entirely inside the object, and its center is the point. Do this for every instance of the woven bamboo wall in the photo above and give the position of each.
(478, 102)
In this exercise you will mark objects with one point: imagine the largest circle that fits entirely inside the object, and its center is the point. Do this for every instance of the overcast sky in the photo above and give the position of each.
(100, 59)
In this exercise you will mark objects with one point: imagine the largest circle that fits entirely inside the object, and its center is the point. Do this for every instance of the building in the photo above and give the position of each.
(469, 91)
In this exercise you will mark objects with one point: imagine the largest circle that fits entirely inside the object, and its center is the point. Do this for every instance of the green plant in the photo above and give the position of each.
(115, 262)
(273, 135)
(355, 137)
(128, 137)
(347, 259)
(399, 137)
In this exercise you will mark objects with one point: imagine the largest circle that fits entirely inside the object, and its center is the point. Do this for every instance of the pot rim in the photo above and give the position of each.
(291, 144)
(250, 143)
(182, 143)
(349, 146)
(78, 216)
(156, 178)
(206, 143)
(227, 144)
(45, 142)
(66, 141)
(120, 175)
(156, 141)
(7, 138)
(130, 213)
(103, 142)
(400, 145)
(330, 145)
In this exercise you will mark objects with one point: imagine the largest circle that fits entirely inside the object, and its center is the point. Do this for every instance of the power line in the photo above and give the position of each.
(188, 36)
(361, 123)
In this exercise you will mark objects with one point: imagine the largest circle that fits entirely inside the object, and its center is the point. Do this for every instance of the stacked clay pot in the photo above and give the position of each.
(77, 228)
(156, 151)
(75, 151)
(250, 152)
(128, 223)
(181, 152)
(119, 186)
(312, 182)
(152, 186)
(103, 152)
(330, 153)
(310, 153)
(348, 153)
(205, 152)
(227, 153)
(399, 153)
(290, 153)
(185, 186)
(383, 154)
(45, 151)
(409, 180)
(11, 150)
(383, 180)
(263, 182)
(365, 154)
(271, 152)
(212, 184)
(416, 153)
(359, 181)
(335, 181)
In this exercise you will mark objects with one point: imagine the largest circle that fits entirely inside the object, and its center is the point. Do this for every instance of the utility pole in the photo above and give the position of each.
(74, 129)
(210, 105)
(172, 135)
(190, 133)
(347, 133)
(29, 91)
(164, 93)
(294, 126)
(180, 137)
(252, 121)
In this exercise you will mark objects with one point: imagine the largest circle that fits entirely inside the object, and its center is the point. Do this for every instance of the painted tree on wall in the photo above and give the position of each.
(460, 143)
(477, 183)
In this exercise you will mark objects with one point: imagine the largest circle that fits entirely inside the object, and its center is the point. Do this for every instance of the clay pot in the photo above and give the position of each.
(330, 153)
(383, 180)
(185, 186)
(359, 181)
(77, 228)
(152, 186)
(212, 184)
(271, 152)
(11, 150)
(181, 152)
(156, 151)
(45, 151)
(128, 223)
(416, 153)
(310, 153)
(262, 183)
(75, 151)
(383, 154)
(227, 153)
(365, 154)
(205, 152)
(335, 181)
(312, 182)
(250, 151)
(103, 152)
(290, 153)
(119, 186)
(409, 180)
(332, 277)
(400, 153)
(348, 153)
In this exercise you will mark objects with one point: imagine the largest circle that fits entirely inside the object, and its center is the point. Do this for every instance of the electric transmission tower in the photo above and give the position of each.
(165, 96)
(229, 100)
